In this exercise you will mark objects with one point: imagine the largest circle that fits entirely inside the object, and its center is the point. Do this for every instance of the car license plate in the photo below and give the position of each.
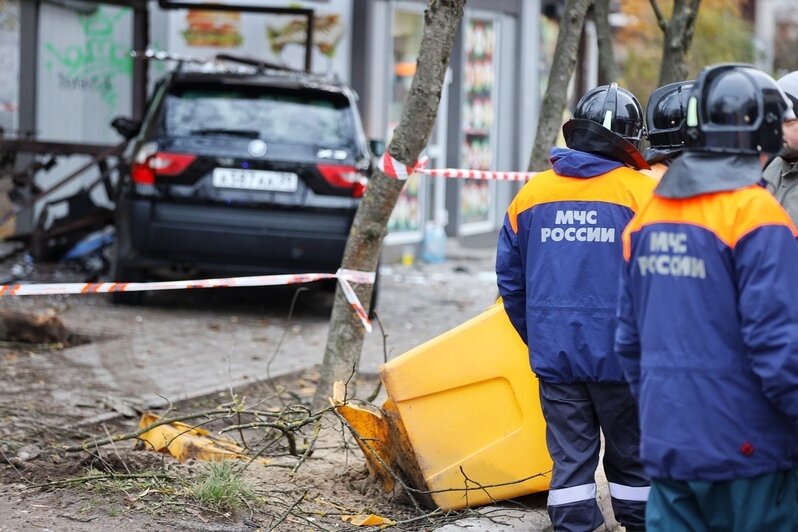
(254, 179)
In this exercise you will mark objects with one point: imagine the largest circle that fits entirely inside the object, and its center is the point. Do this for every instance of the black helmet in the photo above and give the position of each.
(735, 109)
(665, 114)
(615, 108)
(608, 121)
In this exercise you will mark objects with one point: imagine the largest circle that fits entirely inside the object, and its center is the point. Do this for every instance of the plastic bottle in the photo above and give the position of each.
(433, 249)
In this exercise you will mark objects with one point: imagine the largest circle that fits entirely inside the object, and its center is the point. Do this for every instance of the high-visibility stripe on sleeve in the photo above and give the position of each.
(629, 493)
(585, 492)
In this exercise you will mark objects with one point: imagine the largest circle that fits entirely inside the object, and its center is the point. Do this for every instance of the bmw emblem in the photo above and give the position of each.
(257, 148)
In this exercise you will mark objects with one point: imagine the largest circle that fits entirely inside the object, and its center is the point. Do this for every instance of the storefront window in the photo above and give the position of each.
(479, 132)
(9, 63)
(408, 26)
(785, 58)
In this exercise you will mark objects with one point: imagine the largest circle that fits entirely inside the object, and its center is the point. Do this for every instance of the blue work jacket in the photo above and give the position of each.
(559, 259)
(708, 334)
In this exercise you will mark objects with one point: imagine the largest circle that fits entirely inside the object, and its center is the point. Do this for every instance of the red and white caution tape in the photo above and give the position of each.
(397, 170)
(344, 277)
(485, 175)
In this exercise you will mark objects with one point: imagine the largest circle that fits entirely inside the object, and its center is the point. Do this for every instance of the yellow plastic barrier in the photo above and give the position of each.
(469, 404)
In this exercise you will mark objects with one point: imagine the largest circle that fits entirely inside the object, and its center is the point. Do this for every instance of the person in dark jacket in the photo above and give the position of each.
(708, 322)
(558, 264)
(781, 175)
(665, 113)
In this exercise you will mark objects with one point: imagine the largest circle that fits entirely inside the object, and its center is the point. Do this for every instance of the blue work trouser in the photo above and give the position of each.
(576, 414)
(767, 503)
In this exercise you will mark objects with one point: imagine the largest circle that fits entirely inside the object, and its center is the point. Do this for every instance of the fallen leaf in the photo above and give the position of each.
(367, 520)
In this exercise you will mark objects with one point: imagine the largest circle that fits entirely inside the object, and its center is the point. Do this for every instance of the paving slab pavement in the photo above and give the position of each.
(179, 346)
(184, 344)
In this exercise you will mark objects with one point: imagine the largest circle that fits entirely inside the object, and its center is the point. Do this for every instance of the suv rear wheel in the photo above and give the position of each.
(121, 273)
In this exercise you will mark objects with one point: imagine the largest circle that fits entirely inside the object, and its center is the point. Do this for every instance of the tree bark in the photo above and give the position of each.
(678, 33)
(571, 24)
(345, 338)
(608, 71)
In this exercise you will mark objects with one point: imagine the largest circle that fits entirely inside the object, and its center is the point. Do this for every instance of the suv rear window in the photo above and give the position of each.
(274, 115)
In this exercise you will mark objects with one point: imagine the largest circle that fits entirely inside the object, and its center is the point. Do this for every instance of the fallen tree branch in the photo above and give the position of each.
(131, 435)
(92, 478)
(378, 387)
(306, 454)
(466, 480)
(288, 512)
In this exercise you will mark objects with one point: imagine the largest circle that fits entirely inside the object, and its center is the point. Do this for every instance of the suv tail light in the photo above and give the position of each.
(344, 176)
(148, 163)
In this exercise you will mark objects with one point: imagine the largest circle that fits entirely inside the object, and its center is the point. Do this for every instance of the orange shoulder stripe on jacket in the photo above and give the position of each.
(622, 186)
(729, 215)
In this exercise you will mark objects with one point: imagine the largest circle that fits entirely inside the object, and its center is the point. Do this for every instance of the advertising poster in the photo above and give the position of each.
(277, 39)
(407, 217)
(479, 72)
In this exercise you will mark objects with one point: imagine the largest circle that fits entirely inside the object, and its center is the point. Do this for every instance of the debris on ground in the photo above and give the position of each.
(185, 442)
(381, 436)
(368, 520)
(33, 328)
(91, 252)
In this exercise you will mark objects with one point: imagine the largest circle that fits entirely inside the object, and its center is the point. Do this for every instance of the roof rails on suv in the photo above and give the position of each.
(221, 63)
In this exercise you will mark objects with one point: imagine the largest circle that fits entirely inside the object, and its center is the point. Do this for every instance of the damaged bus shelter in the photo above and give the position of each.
(64, 144)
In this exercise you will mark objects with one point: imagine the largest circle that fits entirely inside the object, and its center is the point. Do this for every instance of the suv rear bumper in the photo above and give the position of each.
(227, 238)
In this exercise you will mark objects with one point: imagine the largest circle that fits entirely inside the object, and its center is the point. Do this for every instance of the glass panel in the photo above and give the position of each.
(407, 30)
(479, 72)
(785, 42)
(291, 117)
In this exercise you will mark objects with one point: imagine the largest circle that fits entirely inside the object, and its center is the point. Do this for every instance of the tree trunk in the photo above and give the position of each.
(571, 24)
(678, 33)
(608, 71)
(345, 338)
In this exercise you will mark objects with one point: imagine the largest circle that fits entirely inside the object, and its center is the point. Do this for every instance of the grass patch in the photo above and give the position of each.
(111, 484)
(221, 487)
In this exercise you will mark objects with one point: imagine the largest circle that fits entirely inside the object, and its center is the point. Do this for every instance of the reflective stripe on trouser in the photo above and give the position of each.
(575, 416)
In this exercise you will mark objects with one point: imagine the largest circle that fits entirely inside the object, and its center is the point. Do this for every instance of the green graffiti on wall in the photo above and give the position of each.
(96, 63)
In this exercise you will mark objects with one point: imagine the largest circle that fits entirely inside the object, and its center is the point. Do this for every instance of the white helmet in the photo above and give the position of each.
(789, 84)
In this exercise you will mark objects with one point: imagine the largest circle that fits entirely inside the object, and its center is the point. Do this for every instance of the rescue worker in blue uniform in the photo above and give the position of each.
(558, 263)
(708, 322)
(665, 113)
